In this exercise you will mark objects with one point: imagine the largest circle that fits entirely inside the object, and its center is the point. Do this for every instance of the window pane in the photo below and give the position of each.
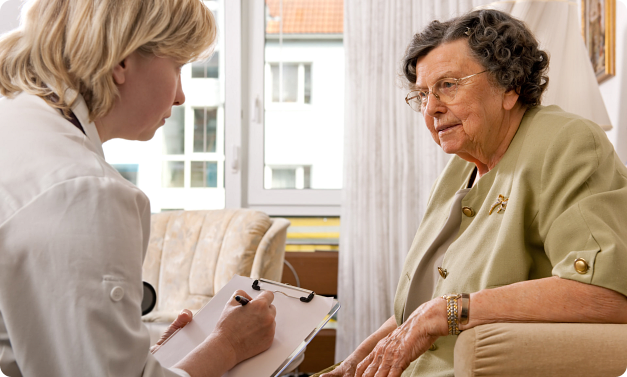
(274, 68)
(173, 173)
(283, 178)
(174, 132)
(289, 80)
(205, 122)
(213, 66)
(307, 177)
(307, 83)
(300, 133)
(128, 171)
(207, 68)
(199, 70)
(204, 174)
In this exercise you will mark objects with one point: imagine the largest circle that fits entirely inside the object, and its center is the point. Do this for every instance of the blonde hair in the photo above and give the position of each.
(75, 44)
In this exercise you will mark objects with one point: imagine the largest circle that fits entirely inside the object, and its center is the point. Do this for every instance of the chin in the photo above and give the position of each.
(145, 137)
(449, 149)
(147, 134)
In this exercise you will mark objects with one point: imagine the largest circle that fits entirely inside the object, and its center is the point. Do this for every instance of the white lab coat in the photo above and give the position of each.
(73, 235)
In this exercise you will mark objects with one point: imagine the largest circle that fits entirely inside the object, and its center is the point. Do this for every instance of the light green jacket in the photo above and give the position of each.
(567, 193)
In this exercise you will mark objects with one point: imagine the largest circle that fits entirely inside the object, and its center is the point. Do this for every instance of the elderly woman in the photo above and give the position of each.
(73, 232)
(527, 221)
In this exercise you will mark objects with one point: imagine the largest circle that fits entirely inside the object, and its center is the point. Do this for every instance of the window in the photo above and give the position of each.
(205, 129)
(204, 174)
(128, 171)
(173, 174)
(287, 177)
(297, 112)
(207, 69)
(174, 132)
(291, 82)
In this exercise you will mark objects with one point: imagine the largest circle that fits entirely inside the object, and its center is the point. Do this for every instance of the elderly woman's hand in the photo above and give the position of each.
(393, 354)
(346, 369)
(184, 317)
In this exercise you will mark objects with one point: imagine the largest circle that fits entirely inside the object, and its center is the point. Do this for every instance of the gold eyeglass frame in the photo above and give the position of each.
(458, 82)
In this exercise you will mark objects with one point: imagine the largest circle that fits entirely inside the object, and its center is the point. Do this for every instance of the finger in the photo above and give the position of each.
(266, 296)
(184, 317)
(383, 371)
(395, 372)
(239, 292)
(371, 370)
(361, 367)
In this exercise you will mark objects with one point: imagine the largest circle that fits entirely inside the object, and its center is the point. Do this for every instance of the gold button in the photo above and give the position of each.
(443, 272)
(469, 212)
(433, 347)
(581, 266)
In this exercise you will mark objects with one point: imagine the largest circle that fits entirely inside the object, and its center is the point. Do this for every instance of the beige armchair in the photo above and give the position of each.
(542, 349)
(193, 254)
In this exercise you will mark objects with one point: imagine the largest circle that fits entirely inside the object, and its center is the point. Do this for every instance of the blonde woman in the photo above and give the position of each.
(73, 232)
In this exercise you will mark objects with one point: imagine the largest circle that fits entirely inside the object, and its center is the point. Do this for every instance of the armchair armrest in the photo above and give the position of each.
(268, 262)
(542, 349)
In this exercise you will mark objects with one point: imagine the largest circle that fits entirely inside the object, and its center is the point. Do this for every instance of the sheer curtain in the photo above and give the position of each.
(391, 160)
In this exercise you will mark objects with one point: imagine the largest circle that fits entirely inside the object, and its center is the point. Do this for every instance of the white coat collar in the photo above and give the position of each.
(82, 114)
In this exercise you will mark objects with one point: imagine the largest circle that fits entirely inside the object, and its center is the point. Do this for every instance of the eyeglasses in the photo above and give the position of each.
(444, 90)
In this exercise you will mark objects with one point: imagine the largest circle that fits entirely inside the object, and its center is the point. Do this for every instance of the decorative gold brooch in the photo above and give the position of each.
(501, 203)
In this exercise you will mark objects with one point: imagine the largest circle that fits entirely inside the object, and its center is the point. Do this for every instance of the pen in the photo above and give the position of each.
(242, 300)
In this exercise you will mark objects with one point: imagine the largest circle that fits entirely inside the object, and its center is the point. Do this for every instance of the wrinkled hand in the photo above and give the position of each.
(346, 369)
(248, 329)
(184, 317)
(393, 354)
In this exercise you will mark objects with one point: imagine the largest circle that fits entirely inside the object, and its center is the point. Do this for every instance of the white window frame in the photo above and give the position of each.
(251, 45)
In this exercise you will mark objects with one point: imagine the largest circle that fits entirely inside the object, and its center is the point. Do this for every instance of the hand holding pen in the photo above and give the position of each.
(248, 323)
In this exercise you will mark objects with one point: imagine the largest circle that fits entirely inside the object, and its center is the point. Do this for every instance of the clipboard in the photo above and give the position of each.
(300, 316)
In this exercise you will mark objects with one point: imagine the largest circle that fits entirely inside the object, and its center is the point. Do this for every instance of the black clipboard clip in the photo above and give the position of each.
(307, 298)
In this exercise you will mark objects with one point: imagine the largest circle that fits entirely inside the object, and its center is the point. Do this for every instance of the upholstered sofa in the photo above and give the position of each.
(542, 350)
(192, 254)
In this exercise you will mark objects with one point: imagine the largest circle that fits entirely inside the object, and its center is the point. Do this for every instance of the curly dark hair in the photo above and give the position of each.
(499, 42)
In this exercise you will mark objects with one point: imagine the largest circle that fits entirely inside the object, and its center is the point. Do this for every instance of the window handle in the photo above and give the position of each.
(257, 110)
(234, 158)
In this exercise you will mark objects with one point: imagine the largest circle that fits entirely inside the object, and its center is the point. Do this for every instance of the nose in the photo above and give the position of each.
(434, 105)
(179, 98)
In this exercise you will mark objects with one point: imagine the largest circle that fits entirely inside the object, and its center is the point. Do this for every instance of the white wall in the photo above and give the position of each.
(614, 90)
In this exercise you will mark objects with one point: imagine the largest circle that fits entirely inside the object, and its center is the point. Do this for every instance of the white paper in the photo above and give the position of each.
(295, 320)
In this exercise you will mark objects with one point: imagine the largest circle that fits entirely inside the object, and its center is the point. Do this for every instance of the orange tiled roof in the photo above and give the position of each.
(307, 16)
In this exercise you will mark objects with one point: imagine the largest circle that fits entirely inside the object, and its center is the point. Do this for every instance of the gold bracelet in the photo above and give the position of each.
(465, 309)
(452, 314)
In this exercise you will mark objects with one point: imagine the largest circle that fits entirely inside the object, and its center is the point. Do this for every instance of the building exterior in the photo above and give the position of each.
(304, 96)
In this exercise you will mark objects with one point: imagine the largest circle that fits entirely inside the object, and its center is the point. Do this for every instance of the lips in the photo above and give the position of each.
(444, 127)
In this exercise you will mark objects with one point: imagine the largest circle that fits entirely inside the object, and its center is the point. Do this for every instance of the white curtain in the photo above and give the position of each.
(391, 160)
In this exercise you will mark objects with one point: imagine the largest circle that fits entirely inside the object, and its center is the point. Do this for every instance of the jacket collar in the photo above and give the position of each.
(82, 114)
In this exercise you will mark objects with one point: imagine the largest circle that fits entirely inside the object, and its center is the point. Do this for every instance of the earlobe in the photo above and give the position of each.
(119, 73)
(509, 99)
